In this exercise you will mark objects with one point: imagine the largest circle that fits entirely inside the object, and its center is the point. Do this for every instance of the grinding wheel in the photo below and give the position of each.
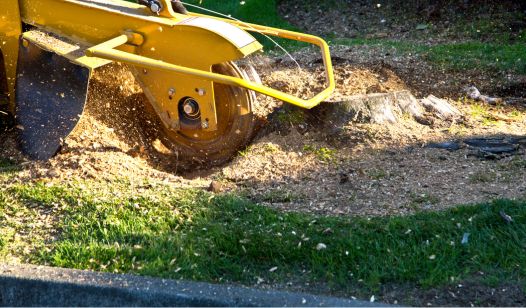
(236, 124)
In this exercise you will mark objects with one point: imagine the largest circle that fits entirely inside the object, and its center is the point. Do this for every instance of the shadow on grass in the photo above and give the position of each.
(228, 239)
(8, 166)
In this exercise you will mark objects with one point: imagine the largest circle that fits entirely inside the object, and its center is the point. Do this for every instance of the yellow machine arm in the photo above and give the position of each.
(107, 50)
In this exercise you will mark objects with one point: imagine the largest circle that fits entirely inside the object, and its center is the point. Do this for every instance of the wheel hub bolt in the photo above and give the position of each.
(191, 107)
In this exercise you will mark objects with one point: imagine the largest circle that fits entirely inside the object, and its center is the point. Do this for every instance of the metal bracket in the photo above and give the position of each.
(107, 51)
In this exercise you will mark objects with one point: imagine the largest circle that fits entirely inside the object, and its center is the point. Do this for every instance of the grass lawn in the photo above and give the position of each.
(456, 56)
(155, 230)
(254, 11)
(493, 56)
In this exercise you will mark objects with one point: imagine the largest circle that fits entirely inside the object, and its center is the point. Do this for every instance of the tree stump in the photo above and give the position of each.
(383, 108)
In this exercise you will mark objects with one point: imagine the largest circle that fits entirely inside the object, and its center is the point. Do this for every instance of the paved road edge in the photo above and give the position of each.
(31, 285)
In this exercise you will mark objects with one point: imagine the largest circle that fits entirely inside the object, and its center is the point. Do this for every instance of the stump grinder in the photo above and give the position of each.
(185, 63)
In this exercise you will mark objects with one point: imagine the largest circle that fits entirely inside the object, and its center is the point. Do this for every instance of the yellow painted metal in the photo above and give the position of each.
(108, 51)
(65, 48)
(172, 40)
(166, 9)
(291, 35)
(176, 51)
(10, 30)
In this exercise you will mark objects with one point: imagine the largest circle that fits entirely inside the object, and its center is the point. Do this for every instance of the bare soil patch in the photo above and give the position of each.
(430, 21)
(465, 294)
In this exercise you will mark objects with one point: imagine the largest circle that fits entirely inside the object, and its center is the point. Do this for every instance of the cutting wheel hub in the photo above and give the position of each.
(190, 108)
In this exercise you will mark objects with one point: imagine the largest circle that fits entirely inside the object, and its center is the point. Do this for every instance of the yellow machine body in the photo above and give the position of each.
(173, 54)
(10, 30)
(179, 40)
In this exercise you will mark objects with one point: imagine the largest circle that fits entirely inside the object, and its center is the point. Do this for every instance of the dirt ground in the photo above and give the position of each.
(294, 163)
(424, 22)
(431, 21)
(298, 161)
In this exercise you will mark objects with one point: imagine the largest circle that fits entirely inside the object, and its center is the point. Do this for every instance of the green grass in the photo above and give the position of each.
(418, 200)
(5, 163)
(457, 56)
(377, 173)
(3, 243)
(486, 27)
(254, 11)
(322, 153)
(7, 168)
(192, 234)
(291, 116)
(280, 195)
(494, 57)
(483, 177)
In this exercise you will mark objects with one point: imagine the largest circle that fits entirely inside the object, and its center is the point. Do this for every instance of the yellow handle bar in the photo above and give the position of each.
(107, 51)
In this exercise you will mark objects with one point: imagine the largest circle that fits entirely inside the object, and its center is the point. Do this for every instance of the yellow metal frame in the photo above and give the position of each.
(172, 40)
(10, 30)
(174, 54)
(107, 50)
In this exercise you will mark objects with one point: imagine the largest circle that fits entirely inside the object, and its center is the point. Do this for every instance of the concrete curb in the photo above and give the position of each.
(30, 285)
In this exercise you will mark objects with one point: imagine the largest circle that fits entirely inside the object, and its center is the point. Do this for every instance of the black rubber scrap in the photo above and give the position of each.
(480, 142)
(485, 147)
(494, 145)
(502, 149)
(494, 152)
(448, 145)
(519, 140)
